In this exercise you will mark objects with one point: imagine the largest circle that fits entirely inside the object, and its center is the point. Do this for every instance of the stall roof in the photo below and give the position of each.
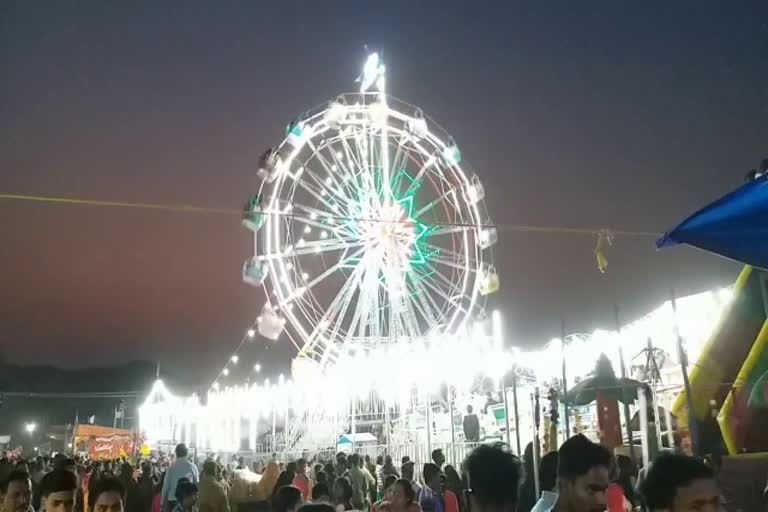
(362, 437)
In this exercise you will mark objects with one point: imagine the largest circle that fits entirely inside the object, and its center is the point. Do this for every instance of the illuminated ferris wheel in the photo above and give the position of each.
(367, 226)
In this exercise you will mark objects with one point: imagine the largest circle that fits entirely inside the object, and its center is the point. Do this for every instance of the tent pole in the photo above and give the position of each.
(693, 426)
(565, 383)
(624, 396)
(514, 405)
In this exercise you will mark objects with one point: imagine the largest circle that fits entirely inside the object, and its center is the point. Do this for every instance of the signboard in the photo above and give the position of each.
(104, 442)
(111, 447)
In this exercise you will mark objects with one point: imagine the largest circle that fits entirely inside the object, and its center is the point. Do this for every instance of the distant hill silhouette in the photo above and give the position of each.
(135, 376)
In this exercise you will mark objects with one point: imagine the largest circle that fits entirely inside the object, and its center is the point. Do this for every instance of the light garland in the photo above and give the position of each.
(321, 397)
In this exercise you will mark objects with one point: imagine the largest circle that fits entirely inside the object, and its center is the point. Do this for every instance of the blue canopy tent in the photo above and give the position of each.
(734, 226)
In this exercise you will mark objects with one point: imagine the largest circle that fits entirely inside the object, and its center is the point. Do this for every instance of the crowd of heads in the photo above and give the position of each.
(56, 485)
(490, 479)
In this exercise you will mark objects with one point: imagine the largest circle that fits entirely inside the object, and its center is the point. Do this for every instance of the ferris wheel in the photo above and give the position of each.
(367, 227)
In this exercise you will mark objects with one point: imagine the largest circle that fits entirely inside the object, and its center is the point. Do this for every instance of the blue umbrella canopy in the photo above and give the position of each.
(734, 226)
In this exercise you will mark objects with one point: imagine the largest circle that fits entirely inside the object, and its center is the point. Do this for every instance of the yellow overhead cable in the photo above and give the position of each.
(232, 211)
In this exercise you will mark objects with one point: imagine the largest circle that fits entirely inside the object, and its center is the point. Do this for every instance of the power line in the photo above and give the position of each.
(93, 395)
(234, 212)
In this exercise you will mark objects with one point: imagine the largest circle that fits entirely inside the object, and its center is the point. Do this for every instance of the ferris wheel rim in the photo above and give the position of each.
(272, 224)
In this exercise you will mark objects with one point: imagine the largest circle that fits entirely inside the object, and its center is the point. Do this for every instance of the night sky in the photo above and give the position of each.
(577, 114)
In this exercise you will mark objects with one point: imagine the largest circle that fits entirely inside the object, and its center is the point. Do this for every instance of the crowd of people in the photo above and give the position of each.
(580, 477)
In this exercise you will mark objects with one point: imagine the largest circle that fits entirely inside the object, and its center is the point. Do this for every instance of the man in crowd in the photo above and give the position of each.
(492, 479)
(678, 483)
(370, 468)
(146, 486)
(583, 475)
(370, 482)
(407, 471)
(301, 480)
(431, 498)
(16, 492)
(107, 495)
(58, 491)
(212, 496)
(181, 468)
(359, 482)
(380, 475)
(471, 426)
(438, 457)
(321, 493)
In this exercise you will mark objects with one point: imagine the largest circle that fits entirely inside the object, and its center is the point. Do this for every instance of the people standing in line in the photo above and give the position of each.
(680, 483)
(58, 491)
(492, 478)
(107, 495)
(16, 492)
(471, 425)
(583, 476)
(301, 480)
(212, 496)
(181, 468)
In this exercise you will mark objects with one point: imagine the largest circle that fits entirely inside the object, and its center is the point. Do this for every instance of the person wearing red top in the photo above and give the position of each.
(451, 501)
(301, 480)
(616, 500)
(400, 498)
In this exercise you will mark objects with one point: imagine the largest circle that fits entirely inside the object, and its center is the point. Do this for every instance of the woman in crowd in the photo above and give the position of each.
(453, 485)
(399, 497)
(384, 503)
(402, 498)
(285, 479)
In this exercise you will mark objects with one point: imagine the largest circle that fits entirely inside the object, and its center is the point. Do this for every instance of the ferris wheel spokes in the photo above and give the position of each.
(375, 231)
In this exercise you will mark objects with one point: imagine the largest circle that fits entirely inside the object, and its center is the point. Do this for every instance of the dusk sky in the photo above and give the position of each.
(627, 115)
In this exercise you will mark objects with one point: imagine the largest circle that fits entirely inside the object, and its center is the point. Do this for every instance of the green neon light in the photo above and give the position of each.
(421, 251)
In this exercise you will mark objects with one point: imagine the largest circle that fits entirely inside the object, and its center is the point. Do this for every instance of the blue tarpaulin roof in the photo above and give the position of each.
(734, 226)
